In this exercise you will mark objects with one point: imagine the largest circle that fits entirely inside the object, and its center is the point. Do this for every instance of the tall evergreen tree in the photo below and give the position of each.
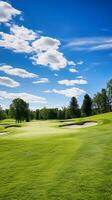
(100, 101)
(74, 107)
(87, 106)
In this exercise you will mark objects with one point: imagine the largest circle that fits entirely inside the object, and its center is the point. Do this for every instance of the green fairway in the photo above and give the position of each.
(42, 161)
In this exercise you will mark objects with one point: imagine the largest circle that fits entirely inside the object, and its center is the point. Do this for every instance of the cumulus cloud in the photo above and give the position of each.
(73, 70)
(43, 50)
(45, 44)
(51, 58)
(70, 92)
(5, 81)
(72, 82)
(10, 41)
(42, 80)
(23, 33)
(18, 40)
(25, 96)
(17, 72)
(47, 53)
(7, 12)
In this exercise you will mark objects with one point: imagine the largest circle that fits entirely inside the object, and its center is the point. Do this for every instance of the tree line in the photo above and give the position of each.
(100, 103)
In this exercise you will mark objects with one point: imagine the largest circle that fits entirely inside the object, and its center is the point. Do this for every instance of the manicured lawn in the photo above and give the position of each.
(42, 161)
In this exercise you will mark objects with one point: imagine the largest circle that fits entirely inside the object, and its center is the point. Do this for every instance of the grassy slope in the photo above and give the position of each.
(72, 166)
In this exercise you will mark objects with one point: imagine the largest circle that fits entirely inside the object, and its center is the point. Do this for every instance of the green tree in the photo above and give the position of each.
(52, 113)
(67, 113)
(7, 114)
(2, 114)
(37, 114)
(60, 114)
(86, 108)
(48, 113)
(19, 110)
(43, 114)
(109, 94)
(100, 102)
(32, 114)
(74, 108)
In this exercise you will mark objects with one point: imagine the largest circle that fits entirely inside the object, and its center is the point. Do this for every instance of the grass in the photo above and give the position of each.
(42, 161)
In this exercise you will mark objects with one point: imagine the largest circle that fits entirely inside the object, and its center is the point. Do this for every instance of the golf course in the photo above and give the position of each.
(44, 160)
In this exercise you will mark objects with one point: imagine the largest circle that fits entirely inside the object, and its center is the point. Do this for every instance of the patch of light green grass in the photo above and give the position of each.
(59, 164)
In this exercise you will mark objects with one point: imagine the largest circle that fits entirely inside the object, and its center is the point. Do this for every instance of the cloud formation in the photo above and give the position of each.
(46, 53)
(17, 72)
(73, 70)
(5, 81)
(30, 98)
(90, 44)
(51, 58)
(70, 92)
(72, 82)
(23, 33)
(18, 40)
(45, 44)
(80, 77)
(43, 50)
(42, 80)
(7, 12)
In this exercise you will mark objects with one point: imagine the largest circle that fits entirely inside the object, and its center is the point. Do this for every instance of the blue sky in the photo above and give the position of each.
(53, 50)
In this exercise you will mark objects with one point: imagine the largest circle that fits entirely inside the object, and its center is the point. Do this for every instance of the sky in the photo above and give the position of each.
(51, 50)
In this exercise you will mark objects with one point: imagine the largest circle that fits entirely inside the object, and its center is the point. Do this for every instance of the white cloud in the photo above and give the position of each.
(18, 40)
(10, 41)
(45, 44)
(55, 74)
(47, 53)
(23, 33)
(80, 77)
(73, 70)
(80, 62)
(25, 96)
(90, 44)
(101, 47)
(17, 72)
(42, 80)
(45, 49)
(71, 63)
(7, 12)
(51, 58)
(72, 82)
(5, 81)
(70, 92)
